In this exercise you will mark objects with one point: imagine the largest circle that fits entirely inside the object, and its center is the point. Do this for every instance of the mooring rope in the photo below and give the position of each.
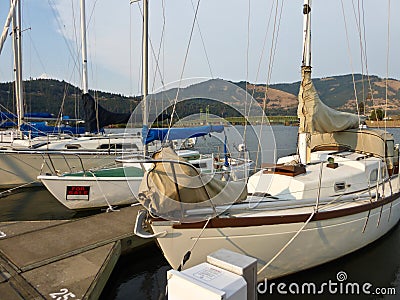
(110, 208)
(187, 254)
(9, 191)
(287, 244)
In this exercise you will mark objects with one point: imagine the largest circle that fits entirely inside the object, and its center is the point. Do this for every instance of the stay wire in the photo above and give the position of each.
(387, 64)
(351, 61)
(275, 34)
(183, 67)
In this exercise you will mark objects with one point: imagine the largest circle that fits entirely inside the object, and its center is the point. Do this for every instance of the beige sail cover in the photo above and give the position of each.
(315, 116)
(176, 191)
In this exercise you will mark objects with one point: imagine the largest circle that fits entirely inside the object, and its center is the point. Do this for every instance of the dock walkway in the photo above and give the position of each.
(70, 259)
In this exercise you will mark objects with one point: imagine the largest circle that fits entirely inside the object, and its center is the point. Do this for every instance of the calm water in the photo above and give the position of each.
(142, 274)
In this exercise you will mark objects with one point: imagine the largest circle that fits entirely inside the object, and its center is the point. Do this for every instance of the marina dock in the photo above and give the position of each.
(70, 259)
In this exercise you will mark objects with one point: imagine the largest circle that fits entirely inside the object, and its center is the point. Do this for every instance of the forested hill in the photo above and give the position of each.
(48, 95)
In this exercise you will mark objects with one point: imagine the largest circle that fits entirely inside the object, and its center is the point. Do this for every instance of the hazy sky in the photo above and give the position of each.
(233, 42)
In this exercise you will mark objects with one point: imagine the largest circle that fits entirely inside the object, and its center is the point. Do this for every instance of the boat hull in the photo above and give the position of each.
(319, 242)
(92, 192)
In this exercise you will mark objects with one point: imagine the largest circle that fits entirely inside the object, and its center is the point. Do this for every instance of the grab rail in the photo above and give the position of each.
(63, 155)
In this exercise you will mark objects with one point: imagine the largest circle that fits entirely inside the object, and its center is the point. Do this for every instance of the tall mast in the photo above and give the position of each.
(306, 34)
(18, 65)
(304, 138)
(85, 88)
(145, 65)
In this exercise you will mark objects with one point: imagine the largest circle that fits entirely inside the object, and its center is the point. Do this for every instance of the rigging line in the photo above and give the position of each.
(351, 62)
(152, 52)
(357, 17)
(76, 106)
(157, 57)
(387, 63)
(370, 92)
(264, 46)
(203, 43)
(258, 68)
(75, 59)
(259, 65)
(91, 14)
(247, 68)
(60, 28)
(93, 53)
(32, 43)
(163, 54)
(183, 67)
(275, 34)
(274, 45)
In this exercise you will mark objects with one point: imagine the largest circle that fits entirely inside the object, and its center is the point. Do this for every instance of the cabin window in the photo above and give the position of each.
(340, 186)
(110, 146)
(73, 146)
(191, 157)
(200, 165)
(373, 176)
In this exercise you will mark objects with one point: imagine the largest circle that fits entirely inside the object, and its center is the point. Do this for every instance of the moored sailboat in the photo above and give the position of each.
(340, 193)
(119, 184)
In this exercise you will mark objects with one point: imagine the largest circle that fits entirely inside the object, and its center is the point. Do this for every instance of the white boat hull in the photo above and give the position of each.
(319, 242)
(76, 192)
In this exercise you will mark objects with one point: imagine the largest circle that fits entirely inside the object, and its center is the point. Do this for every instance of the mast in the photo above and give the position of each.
(145, 65)
(304, 137)
(85, 88)
(18, 65)
(307, 34)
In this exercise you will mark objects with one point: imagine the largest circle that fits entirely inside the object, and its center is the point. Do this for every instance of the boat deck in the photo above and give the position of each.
(112, 172)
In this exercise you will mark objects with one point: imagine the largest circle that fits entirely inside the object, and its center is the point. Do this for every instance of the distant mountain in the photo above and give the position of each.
(336, 92)
(53, 96)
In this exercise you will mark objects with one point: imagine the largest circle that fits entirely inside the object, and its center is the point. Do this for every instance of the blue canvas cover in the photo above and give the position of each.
(161, 134)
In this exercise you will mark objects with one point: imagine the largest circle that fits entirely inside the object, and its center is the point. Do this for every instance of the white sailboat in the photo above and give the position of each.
(340, 193)
(119, 185)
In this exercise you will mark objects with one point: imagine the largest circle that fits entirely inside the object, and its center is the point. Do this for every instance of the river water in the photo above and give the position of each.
(142, 273)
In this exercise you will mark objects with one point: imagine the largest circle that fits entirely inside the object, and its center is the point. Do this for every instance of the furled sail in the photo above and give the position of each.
(315, 116)
(105, 117)
(173, 188)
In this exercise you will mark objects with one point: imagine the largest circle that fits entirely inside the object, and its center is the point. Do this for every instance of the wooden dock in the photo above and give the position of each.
(70, 259)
